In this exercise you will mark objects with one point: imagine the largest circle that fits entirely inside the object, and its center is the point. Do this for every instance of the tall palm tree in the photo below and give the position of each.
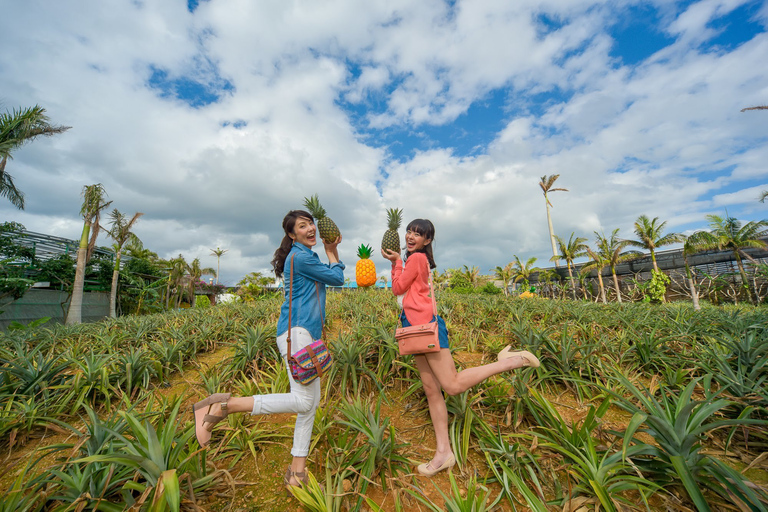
(120, 232)
(613, 250)
(505, 276)
(546, 184)
(649, 236)
(17, 128)
(763, 196)
(93, 203)
(218, 252)
(597, 262)
(195, 272)
(729, 234)
(523, 271)
(693, 244)
(573, 249)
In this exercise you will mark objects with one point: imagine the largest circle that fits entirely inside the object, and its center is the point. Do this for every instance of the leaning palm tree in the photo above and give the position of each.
(546, 186)
(218, 252)
(649, 236)
(693, 244)
(120, 232)
(505, 276)
(597, 263)
(16, 129)
(729, 234)
(93, 203)
(612, 250)
(195, 272)
(573, 249)
(523, 271)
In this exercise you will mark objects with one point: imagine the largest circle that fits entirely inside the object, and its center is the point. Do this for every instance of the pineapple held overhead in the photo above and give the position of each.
(328, 230)
(391, 240)
(365, 269)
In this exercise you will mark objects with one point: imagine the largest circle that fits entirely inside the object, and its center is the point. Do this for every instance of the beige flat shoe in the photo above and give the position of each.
(428, 470)
(528, 358)
(204, 420)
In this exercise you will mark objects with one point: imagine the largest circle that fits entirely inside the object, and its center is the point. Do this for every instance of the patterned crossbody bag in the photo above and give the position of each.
(312, 361)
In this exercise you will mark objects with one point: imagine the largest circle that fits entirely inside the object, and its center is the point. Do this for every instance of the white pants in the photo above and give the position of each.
(302, 399)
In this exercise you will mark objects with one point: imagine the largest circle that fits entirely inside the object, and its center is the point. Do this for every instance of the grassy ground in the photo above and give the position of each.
(578, 343)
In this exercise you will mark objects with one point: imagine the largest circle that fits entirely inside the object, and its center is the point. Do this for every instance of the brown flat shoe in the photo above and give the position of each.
(204, 420)
(528, 358)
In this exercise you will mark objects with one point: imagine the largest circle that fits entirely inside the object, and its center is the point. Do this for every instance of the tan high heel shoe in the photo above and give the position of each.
(204, 420)
(301, 476)
(528, 358)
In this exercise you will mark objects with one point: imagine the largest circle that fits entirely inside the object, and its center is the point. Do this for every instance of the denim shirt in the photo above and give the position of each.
(308, 271)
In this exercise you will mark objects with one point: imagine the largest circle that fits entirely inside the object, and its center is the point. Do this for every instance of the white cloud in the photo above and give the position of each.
(661, 138)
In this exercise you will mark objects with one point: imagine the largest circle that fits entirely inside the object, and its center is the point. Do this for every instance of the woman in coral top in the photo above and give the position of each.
(437, 369)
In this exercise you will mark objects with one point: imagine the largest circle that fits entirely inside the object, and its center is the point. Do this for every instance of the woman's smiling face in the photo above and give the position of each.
(415, 241)
(304, 232)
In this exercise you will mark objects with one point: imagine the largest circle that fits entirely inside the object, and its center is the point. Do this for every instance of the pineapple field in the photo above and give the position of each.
(635, 407)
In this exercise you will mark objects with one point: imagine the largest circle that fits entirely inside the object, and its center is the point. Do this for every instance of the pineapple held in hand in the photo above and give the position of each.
(365, 269)
(391, 240)
(328, 230)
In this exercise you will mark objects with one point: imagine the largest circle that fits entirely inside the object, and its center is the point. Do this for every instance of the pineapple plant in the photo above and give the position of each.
(365, 269)
(391, 240)
(328, 230)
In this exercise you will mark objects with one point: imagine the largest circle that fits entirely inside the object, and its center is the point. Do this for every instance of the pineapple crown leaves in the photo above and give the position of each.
(364, 251)
(394, 218)
(315, 208)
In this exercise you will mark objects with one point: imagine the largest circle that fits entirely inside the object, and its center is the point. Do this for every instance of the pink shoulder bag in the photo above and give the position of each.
(422, 338)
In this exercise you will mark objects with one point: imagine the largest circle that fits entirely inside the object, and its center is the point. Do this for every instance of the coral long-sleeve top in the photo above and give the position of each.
(414, 279)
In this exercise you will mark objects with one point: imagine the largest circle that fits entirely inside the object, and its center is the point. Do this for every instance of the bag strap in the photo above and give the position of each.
(290, 315)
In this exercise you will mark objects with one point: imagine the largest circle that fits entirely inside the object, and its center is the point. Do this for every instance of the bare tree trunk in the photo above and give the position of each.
(573, 285)
(552, 236)
(602, 287)
(616, 285)
(75, 311)
(113, 290)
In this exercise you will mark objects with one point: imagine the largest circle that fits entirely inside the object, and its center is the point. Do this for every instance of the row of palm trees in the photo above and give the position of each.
(724, 233)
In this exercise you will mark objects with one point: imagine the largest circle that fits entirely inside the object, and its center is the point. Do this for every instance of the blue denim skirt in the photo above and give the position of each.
(442, 330)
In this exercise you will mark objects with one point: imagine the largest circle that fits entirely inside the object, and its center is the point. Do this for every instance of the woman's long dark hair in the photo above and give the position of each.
(425, 228)
(289, 222)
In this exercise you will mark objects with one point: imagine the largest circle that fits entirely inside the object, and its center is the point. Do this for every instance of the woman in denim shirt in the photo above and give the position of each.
(310, 276)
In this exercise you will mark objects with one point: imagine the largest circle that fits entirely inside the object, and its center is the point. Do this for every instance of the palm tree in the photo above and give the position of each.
(177, 268)
(612, 250)
(575, 248)
(17, 128)
(218, 253)
(195, 273)
(649, 236)
(472, 275)
(505, 276)
(546, 186)
(763, 195)
(728, 234)
(597, 263)
(93, 203)
(523, 271)
(384, 280)
(693, 244)
(121, 233)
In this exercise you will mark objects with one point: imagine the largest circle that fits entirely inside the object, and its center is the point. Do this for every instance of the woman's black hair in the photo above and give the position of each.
(425, 228)
(289, 222)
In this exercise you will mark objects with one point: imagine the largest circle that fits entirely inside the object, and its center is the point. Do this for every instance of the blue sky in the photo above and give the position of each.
(215, 118)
